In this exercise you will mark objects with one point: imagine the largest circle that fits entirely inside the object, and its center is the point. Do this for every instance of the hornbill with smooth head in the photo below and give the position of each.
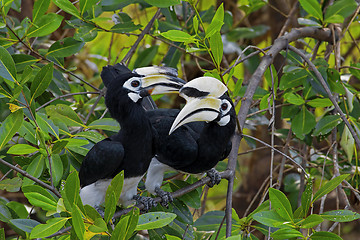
(194, 139)
(132, 148)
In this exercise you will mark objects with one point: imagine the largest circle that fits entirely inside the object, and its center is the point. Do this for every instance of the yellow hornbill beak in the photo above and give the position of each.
(197, 109)
(202, 101)
(160, 80)
(161, 84)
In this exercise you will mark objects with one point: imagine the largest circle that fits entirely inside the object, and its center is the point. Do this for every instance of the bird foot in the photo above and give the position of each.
(214, 176)
(166, 197)
(148, 202)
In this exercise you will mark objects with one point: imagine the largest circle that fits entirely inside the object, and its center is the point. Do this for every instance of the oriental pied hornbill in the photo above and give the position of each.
(133, 147)
(194, 139)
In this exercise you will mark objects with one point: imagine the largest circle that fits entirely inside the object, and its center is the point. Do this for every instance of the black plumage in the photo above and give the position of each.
(197, 146)
(132, 148)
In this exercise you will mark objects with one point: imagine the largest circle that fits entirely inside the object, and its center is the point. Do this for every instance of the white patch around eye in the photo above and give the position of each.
(224, 120)
(134, 96)
(224, 112)
(127, 84)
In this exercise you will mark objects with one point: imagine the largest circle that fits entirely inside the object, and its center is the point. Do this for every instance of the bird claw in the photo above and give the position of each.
(148, 202)
(166, 197)
(214, 176)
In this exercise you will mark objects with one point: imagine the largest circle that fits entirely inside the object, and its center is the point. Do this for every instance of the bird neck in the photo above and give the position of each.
(215, 138)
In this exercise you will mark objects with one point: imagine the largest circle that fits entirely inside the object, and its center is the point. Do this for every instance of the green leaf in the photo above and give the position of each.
(37, 189)
(52, 226)
(98, 226)
(65, 47)
(312, 7)
(126, 226)
(178, 36)
(347, 143)
(110, 204)
(125, 27)
(5, 214)
(112, 195)
(86, 5)
(216, 22)
(45, 25)
(271, 219)
(320, 102)
(192, 199)
(25, 225)
(7, 67)
(292, 79)
(216, 46)
(20, 149)
(325, 236)
(303, 123)
(64, 114)
(154, 220)
(132, 222)
(340, 10)
(11, 184)
(145, 57)
(41, 201)
(90, 135)
(162, 3)
(40, 8)
(170, 237)
(209, 221)
(10, 126)
(23, 60)
(78, 223)
(329, 186)
(196, 24)
(326, 124)
(182, 211)
(286, 233)
(56, 167)
(105, 124)
(72, 188)
(306, 198)
(294, 98)
(281, 204)
(41, 81)
(340, 215)
(18, 208)
(35, 169)
(67, 6)
(311, 221)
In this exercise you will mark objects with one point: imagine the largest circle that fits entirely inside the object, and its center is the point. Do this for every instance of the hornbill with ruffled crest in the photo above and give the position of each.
(194, 139)
(133, 147)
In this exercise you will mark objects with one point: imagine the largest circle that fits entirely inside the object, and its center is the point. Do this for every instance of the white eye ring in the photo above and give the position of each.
(133, 84)
(225, 107)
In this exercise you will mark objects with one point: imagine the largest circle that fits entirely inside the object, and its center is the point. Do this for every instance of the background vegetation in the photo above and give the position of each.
(292, 71)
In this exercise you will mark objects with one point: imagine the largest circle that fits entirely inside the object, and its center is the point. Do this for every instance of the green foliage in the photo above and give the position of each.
(51, 112)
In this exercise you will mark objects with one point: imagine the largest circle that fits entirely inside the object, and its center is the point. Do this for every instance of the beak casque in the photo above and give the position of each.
(203, 102)
(160, 84)
(203, 109)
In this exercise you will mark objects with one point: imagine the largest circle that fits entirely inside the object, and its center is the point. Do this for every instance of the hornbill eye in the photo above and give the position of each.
(224, 106)
(135, 83)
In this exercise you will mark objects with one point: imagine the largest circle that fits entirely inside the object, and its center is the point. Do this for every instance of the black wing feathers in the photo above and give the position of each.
(101, 162)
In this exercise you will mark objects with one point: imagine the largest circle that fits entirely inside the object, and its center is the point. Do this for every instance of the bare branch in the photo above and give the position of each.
(25, 174)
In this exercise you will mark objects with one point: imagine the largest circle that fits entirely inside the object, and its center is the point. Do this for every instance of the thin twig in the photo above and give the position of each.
(25, 174)
(64, 96)
(146, 30)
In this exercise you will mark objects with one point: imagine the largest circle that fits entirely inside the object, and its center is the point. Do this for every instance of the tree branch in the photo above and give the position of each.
(279, 44)
(25, 174)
